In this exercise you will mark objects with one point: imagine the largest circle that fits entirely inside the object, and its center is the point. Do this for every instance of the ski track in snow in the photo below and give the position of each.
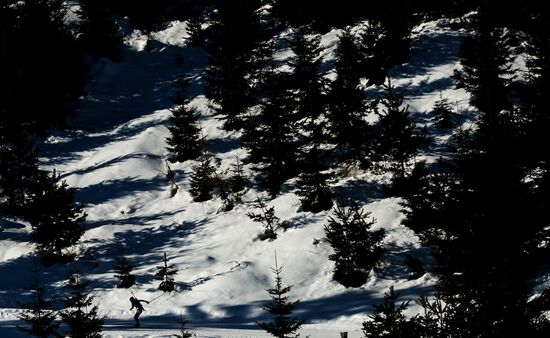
(114, 156)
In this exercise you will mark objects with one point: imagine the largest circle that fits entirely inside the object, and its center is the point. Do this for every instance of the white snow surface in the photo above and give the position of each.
(113, 153)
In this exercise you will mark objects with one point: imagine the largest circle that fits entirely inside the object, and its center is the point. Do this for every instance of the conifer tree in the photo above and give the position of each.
(47, 83)
(349, 130)
(98, 31)
(18, 166)
(443, 113)
(386, 41)
(194, 28)
(184, 332)
(266, 217)
(313, 189)
(230, 42)
(305, 78)
(39, 316)
(80, 313)
(389, 321)
(283, 325)
(185, 141)
(356, 248)
(202, 180)
(485, 60)
(237, 181)
(271, 138)
(396, 141)
(165, 273)
(123, 272)
(54, 217)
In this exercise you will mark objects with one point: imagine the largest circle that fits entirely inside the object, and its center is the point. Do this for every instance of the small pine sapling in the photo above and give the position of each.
(123, 272)
(165, 273)
(443, 113)
(237, 180)
(202, 180)
(266, 217)
(283, 325)
(183, 331)
(38, 314)
(80, 314)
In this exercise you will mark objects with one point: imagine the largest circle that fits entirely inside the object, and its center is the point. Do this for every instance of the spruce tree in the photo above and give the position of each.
(185, 141)
(356, 248)
(389, 321)
(194, 27)
(98, 31)
(266, 217)
(271, 138)
(184, 332)
(386, 41)
(38, 315)
(202, 180)
(396, 141)
(350, 132)
(315, 194)
(54, 217)
(18, 166)
(283, 325)
(443, 113)
(237, 181)
(123, 272)
(165, 273)
(80, 313)
(231, 39)
(485, 60)
(305, 78)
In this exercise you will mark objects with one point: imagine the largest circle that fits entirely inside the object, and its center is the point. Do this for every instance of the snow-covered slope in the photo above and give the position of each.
(114, 156)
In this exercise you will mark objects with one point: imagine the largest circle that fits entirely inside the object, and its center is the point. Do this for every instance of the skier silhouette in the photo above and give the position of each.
(136, 303)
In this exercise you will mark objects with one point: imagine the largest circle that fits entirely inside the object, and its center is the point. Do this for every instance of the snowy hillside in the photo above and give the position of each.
(114, 154)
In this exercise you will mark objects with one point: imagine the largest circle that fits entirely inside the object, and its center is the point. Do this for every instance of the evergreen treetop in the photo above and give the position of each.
(283, 325)
(80, 314)
(165, 273)
(39, 314)
(54, 217)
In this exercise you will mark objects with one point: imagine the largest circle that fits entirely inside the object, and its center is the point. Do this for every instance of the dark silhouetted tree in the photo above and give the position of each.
(443, 113)
(98, 30)
(183, 331)
(54, 216)
(80, 313)
(231, 39)
(486, 59)
(165, 273)
(283, 325)
(202, 180)
(357, 249)
(185, 141)
(271, 138)
(266, 217)
(194, 27)
(389, 321)
(306, 80)
(123, 272)
(313, 189)
(18, 166)
(396, 140)
(349, 130)
(38, 314)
